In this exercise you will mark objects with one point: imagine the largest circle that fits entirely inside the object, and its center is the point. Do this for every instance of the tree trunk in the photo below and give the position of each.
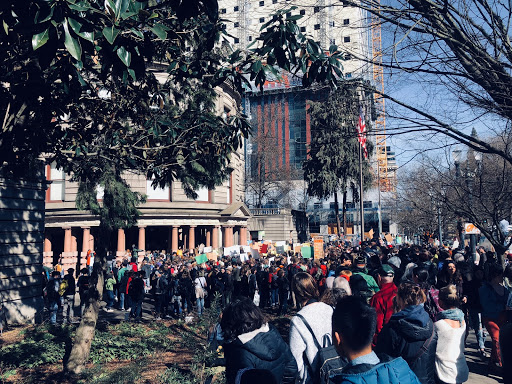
(337, 212)
(81, 348)
(345, 212)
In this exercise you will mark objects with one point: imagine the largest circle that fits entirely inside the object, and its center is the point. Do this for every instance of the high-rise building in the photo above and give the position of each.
(326, 21)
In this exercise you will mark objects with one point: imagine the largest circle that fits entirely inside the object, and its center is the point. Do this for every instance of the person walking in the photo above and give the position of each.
(451, 366)
(382, 301)
(201, 290)
(312, 321)
(69, 297)
(493, 298)
(109, 290)
(410, 333)
(52, 294)
(251, 342)
(83, 288)
(136, 293)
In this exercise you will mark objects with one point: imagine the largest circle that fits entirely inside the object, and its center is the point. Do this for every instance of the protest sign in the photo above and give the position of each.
(200, 259)
(306, 252)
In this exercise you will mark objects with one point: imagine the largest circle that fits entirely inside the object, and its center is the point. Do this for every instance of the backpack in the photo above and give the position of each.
(432, 303)
(330, 363)
(63, 287)
(52, 290)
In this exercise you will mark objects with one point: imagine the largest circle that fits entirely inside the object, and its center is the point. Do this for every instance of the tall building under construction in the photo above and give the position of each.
(281, 126)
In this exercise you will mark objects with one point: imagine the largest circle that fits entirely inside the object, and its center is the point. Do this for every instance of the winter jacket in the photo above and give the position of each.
(389, 371)
(406, 333)
(492, 303)
(382, 301)
(263, 348)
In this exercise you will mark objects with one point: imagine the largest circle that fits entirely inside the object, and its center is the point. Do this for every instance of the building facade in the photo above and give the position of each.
(169, 219)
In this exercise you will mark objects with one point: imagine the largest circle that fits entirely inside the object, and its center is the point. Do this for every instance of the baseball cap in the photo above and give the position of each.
(386, 270)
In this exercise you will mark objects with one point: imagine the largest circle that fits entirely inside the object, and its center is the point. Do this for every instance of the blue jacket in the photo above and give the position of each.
(492, 303)
(388, 371)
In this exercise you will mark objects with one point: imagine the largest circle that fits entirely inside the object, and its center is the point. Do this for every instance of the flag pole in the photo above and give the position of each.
(361, 205)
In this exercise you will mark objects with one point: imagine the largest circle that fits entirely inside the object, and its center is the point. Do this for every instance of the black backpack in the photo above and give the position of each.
(330, 363)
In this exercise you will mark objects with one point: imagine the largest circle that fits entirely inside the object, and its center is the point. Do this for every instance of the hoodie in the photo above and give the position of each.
(263, 348)
(410, 335)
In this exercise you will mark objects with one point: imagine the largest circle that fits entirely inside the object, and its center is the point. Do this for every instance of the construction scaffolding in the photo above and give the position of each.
(386, 179)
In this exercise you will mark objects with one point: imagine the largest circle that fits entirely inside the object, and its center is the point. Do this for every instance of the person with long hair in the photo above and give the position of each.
(410, 334)
(251, 342)
(451, 366)
(312, 321)
(493, 297)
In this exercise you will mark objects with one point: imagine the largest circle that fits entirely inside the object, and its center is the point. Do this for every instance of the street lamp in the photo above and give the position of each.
(457, 156)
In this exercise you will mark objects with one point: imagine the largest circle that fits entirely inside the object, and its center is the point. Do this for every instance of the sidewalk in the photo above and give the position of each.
(478, 368)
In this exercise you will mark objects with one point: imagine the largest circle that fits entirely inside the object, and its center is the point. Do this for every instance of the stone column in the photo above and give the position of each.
(208, 237)
(67, 239)
(228, 236)
(174, 246)
(142, 243)
(191, 237)
(86, 240)
(121, 246)
(47, 252)
(215, 237)
(243, 235)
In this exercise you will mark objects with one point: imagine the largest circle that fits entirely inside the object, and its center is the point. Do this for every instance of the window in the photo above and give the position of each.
(57, 187)
(236, 8)
(303, 29)
(223, 10)
(317, 27)
(346, 21)
(346, 39)
(302, 12)
(317, 206)
(351, 205)
(316, 9)
(203, 194)
(157, 193)
(332, 42)
(348, 75)
(262, 19)
(367, 204)
(229, 192)
(237, 24)
(262, 3)
(274, 1)
(237, 40)
(249, 38)
(331, 23)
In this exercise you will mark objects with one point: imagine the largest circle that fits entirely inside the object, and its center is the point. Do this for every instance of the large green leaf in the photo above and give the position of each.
(158, 29)
(76, 27)
(71, 44)
(110, 33)
(40, 39)
(120, 6)
(124, 55)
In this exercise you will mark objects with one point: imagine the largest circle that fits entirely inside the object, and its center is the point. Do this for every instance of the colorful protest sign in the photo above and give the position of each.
(306, 252)
(200, 259)
(318, 244)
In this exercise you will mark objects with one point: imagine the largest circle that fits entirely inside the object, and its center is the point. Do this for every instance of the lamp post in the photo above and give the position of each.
(457, 156)
(472, 237)
(469, 179)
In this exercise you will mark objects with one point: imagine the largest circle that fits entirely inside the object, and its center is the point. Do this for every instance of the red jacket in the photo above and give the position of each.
(382, 301)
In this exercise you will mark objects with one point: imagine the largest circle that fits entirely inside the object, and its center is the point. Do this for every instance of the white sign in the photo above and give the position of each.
(471, 229)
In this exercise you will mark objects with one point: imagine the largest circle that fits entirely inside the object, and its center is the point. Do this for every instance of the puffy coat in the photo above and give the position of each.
(389, 371)
(406, 333)
(263, 348)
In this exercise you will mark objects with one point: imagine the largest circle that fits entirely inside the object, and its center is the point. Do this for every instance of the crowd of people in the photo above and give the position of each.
(374, 310)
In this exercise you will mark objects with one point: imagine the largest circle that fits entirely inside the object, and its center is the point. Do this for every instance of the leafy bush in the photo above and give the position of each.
(41, 345)
(127, 375)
